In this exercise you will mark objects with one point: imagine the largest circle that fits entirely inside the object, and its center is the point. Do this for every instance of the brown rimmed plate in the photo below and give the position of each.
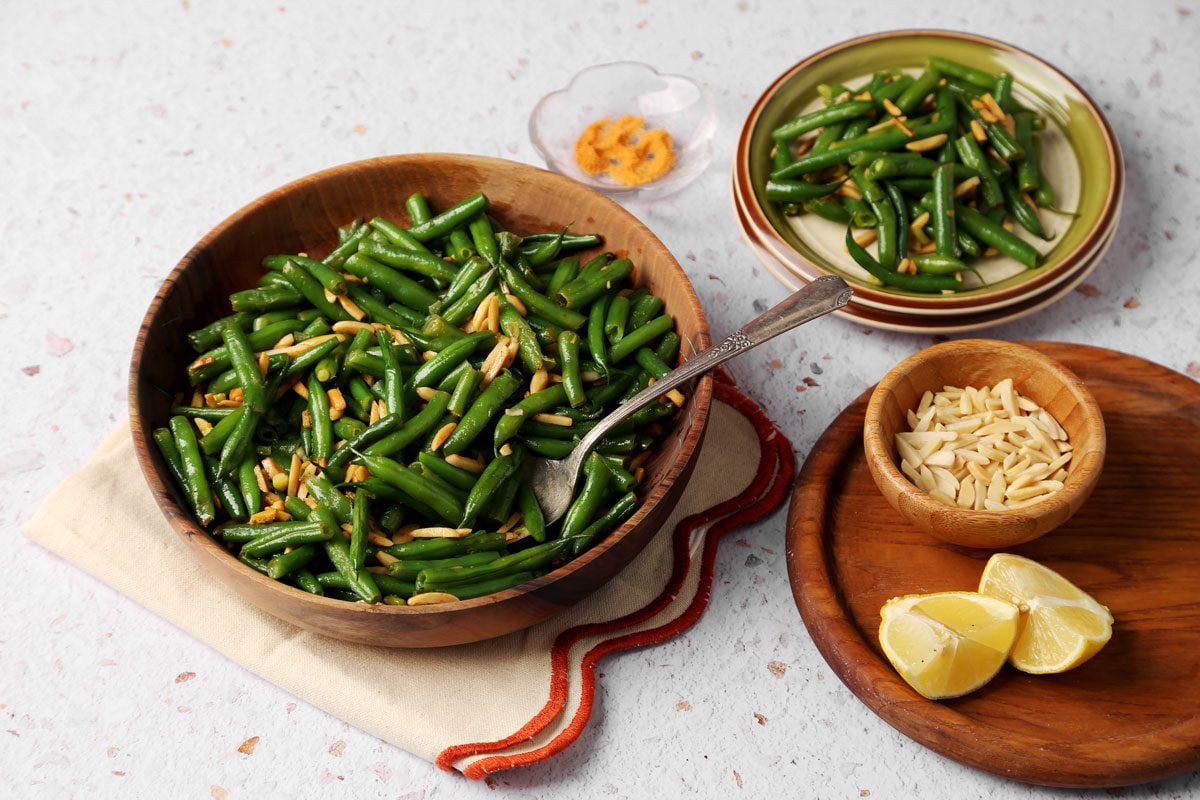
(1086, 140)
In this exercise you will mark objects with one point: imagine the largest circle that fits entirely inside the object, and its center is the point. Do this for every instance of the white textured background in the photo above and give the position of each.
(128, 129)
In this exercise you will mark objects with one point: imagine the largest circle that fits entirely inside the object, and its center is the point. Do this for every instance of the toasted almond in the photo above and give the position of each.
(967, 186)
(427, 393)
(293, 483)
(379, 540)
(977, 131)
(465, 462)
(539, 381)
(517, 304)
(431, 599)
(268, 514)
(439, 533)
(299, 388)
(351, 327)
(202, 425)
(337, 404)
(352, 308)
(443, 433)
(676, 397)
(928, 143)
(555, 419)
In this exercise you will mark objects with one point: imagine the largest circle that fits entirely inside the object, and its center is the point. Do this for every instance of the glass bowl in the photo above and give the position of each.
(682, 107)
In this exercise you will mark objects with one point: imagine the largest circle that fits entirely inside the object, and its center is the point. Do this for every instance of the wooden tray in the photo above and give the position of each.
(1131, 714)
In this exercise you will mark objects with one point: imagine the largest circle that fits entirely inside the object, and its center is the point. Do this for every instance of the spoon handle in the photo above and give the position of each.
(825, 294)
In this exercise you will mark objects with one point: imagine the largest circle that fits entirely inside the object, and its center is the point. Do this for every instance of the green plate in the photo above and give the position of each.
(1080, 155)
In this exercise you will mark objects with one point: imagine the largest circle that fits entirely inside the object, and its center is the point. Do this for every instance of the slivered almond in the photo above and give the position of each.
(427, 393)
(352, 308)
(928, 143)
(443, 433)
(337, 403)
(203, 425)
(467, 463)
(439, 533)
(431, 599)
(293, 484)
(555, 419)
(539, 381)
(516, 303)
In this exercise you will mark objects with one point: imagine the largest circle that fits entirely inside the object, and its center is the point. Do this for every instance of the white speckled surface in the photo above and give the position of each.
(127, 134)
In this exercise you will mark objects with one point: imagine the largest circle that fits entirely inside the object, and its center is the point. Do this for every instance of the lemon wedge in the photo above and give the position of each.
(1062, 626)
(947, 644)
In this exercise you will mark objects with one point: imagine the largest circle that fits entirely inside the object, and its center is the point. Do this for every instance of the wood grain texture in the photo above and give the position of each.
(979, 363)
(303, 216)
(1132, 713)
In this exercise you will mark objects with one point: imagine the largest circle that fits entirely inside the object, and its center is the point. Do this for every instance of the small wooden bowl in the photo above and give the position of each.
(303, 217)
(984, 362)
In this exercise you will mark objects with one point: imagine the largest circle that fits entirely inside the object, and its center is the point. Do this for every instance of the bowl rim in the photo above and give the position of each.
(911, 302)
(881, 455)
(185, 526)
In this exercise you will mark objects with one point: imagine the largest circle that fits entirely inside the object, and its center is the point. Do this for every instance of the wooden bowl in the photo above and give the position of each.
(984, 362)
(302, 217)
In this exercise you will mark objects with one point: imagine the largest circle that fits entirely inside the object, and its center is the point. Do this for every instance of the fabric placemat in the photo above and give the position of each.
(104, 520)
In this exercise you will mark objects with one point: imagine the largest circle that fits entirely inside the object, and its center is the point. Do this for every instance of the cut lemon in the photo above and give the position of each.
(1062, 626)
(947, 644)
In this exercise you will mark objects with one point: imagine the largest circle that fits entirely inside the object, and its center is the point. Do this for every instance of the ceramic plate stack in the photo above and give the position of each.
(1080, 157)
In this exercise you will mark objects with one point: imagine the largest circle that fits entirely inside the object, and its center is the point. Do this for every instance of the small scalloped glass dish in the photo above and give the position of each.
(675, 103)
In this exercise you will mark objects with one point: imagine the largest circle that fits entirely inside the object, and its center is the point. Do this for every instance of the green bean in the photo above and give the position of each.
(640, 337)
(972, 156)
(668, 348)
(938, 264)
(457, 312)
(248, 483)
(195, 482)
(513, 324)
(285, 564)
(408, 570)
(359, 581)
(442, 578)
(312, 291)
(464, 390)
(1029, 174)
(784, 191)
(270, 542)
(215, 439)
(410, 260)
(322, 426)
(306, 581)
(1025, 215)
(393, 381)
(417, 206)
(886, 215)
(990, 233)
(606, 522)
(532, 518)
(347, 247)
(461, 479)
(894, 165)
(467, 591)
(568, 357)
(928, 284)
(649, 361)
(264, 299)
(617, 318)
(584, 289)
(918, 90)
(583, 509)
(840, 112)
(397, 235)
(459, 246)
(564, 271)
(413, 429)
(360, 516)
(942, 212)
(415, 486)
(902, 221)
(486, 406)
(208, 337)
(241, 356)
(239, 442)
(327, 276)
(642, 310)
(977, 77)
(498, 470)
(438, 367)
(329, 497)
(447, 548)
(509, 425)
(457, 215)
(397, 286)
(860, 214)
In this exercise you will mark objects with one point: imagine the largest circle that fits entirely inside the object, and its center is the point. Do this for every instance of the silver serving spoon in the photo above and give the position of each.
(553, 480)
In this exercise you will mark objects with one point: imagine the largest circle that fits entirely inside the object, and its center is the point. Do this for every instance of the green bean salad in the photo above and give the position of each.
(358, 424)
(935, 170)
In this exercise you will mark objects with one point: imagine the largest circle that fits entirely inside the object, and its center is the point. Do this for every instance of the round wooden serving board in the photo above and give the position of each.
(1132, 713)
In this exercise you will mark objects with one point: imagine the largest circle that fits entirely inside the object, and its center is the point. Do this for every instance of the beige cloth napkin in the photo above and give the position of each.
(122, 539)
